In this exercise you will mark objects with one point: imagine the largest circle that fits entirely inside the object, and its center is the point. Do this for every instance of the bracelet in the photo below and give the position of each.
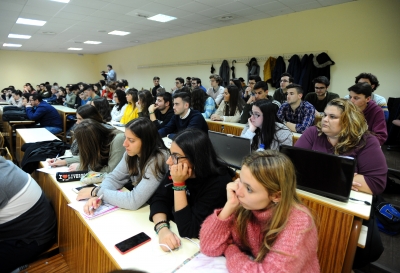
(150, 113)
(179, 184)
(181, 188)
(91, 193)
(161, 227)
(161, 222)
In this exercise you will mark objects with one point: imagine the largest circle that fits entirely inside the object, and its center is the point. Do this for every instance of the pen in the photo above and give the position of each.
(97, 201)
(56, 158)
(365, 202)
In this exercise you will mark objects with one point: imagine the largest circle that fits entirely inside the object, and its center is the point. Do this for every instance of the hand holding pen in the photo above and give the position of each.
(92, 204)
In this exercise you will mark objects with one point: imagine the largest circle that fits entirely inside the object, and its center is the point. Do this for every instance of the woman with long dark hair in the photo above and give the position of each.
(120, 105)
(103, 107)
(231, 107)
(131, 111)
(264, 127)
(143, 164)
(202, 102)
(193, 188)
(145, 99)
(263, 226)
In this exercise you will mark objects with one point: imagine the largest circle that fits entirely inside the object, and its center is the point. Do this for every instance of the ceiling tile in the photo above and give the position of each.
(326, 3)
(280, 12)
(194, 7)
(290, 3)
(11, 6)
(174, 3)
(156, 8)
(247, 12)
(312, 5)
(92, 4)
(131, 3)
(78, 9)
(258, 16)
(253, 3)
(270, 6)
(212, 13)
(213, 3)
(70, 16)
(233, 7)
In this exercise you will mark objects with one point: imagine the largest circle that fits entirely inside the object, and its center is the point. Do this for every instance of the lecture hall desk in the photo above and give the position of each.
(88, 245)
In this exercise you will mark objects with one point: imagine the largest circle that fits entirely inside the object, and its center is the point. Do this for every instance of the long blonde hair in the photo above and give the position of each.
(353, 124)
(276, 173)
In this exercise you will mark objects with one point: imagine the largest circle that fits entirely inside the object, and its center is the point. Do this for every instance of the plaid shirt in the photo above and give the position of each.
(303, 116)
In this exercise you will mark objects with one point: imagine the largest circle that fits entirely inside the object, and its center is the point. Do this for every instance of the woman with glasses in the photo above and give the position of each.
(143, 164)
(264, 127)
(118, 110)
(231, 107)
(263, 226)
(193, 188)
(344, 131)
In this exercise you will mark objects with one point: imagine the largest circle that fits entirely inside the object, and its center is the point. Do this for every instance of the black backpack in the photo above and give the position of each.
(388, 217)
(11, 113)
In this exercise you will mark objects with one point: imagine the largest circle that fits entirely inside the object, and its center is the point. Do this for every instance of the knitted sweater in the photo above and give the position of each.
(298, 241)
(221, 111)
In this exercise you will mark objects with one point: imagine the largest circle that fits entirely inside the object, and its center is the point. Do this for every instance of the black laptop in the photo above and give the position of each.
(321, 173)
(231, 149)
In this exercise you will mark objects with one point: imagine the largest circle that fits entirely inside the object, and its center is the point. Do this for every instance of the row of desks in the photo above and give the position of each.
(88, 245)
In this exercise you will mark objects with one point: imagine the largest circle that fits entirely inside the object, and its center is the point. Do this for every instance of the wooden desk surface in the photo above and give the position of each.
(117, 226)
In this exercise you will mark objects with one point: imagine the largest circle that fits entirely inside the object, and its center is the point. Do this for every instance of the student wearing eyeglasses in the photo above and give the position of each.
(280, 94)
(320, 98)
(265, 129)
(194, 186)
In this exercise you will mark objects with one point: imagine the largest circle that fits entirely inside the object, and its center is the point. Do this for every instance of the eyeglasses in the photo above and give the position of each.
(319, 88)
(284, 81)
(177, 82)
(254, 114)
(251, 83)
(175, 158)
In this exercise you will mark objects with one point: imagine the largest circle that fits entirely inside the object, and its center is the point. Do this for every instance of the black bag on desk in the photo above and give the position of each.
(14, 113)
(39, 151)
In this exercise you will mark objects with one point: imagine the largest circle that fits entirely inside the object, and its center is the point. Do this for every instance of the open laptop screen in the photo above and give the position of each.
(321, 173)
(231, 149)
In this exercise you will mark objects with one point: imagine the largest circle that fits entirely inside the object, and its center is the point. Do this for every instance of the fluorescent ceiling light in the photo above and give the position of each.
(120, 33)
(161, 18)
(31, 22)
(92, 42)
(74, 48)
(12, 45)
(61, 1)
(18, 36)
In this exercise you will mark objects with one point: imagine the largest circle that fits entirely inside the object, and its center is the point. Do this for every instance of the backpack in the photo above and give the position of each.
(11, 114)
(387, 217)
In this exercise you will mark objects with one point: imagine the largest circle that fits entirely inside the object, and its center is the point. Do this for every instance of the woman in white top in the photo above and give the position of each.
(15, 98)
(231, 107)
(264, 128)
(120, 105)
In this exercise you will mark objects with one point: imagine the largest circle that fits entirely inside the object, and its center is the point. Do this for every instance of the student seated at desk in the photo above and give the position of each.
(83, 112)
(120, 105)
(263, 218)
(145, 99)
(131, 111)
(103, 107)
(203, 103)
(100, 147)
(265, 128)
(193, 188)
(27, 220)
(143, 164)
(43, 113)
(231, 107)
(343, 131)
(184, 117)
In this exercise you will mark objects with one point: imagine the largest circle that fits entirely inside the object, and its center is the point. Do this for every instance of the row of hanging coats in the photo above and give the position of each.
(303, 70)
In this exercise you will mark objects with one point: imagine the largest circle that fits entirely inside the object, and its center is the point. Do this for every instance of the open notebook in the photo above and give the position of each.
(100, 211)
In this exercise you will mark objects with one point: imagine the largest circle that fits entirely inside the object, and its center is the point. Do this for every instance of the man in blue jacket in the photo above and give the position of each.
(43, 113)
(184, 117)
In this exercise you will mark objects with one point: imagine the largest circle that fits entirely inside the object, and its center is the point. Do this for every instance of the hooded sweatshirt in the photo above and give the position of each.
(376, 121)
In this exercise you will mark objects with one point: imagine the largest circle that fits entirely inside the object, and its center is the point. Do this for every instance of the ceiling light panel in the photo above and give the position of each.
(119, 33)
(19, 36)
(161, 18)
(74, 48)
(12, 45)
(30, 22)
(92, 42)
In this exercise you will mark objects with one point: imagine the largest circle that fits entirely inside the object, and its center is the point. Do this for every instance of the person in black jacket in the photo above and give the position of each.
(161, 112)
(280, 94)
(193, 188)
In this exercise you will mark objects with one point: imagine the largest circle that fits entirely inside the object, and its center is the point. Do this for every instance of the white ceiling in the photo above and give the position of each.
(82, 20)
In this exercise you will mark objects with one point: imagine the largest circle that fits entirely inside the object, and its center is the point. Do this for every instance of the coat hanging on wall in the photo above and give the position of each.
(254, 68)
(224, 72)
(212, 69)
(233, 69)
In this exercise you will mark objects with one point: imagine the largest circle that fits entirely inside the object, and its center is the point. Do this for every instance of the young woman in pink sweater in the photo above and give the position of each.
(263, 226)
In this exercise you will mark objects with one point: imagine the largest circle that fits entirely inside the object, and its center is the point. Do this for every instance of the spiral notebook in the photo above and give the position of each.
(100, 211)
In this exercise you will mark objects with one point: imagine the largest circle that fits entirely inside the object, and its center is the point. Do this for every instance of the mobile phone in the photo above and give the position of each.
(132, 243)
(76, 190)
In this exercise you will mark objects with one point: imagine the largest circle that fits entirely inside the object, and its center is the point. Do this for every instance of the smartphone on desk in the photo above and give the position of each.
(132, 243)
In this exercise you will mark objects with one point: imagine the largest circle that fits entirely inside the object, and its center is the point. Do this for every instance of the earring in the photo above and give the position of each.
(275, 202)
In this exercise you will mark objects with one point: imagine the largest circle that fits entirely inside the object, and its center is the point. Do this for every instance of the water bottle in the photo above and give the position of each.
(261, 147)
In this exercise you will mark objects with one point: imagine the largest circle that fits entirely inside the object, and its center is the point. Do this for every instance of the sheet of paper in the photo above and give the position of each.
(51, 170)
(201, 263)
(103, 209)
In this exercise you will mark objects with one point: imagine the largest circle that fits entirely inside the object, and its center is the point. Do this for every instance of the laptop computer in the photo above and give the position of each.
(321, 173)
(231, 149)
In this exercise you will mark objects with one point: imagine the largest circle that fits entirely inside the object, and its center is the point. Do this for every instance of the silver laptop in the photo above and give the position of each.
(231, 149)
